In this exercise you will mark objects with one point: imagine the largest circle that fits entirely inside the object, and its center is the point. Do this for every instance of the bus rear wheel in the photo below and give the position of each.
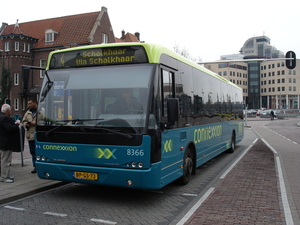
(188, 166)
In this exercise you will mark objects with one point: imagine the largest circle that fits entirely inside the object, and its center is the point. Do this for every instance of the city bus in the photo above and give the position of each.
(180, 116)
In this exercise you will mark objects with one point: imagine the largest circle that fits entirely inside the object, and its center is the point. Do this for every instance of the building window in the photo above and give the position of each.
(278, 64)
(278, 72)
(282, 64)
(273, 81)
(278, 89)
(16, 79)
(273, 89)
(294, 80)
(225, 73)
(269, 74)
(104, 38)
(28, 48)
(17, 46)
(269, 89)
(283, 89)
(24, 47)
(50, 36)
(16, 104)
(282, 80)
(282, 72)
(290, 88)
(278, 81)
(43, 63)
(7, 46)
(294, 88)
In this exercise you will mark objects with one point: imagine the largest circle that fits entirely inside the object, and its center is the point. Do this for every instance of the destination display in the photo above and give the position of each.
(99, 57)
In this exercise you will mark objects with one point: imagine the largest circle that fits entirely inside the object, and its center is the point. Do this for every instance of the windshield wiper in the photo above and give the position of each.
(76, 120)
(49, 132)
(128, 136)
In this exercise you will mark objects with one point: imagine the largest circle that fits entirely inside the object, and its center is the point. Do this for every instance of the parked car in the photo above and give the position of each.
(258, 112)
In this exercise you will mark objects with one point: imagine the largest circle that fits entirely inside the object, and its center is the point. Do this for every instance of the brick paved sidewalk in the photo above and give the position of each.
(248, 195)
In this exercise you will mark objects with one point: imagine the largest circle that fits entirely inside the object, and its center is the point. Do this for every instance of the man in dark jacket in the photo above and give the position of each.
(8, 133)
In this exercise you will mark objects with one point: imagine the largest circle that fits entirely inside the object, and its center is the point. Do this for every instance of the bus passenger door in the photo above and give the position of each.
(170, 136)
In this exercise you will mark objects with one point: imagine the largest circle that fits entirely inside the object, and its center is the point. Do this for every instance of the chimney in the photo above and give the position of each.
(123, 35)
(137, 34)
(4, 25)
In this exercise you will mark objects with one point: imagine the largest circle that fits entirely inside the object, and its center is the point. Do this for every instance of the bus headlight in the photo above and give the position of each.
(140, 165)
(38, 158)
(133, 164)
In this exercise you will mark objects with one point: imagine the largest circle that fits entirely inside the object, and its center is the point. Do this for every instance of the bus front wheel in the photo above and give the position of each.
(188, 166)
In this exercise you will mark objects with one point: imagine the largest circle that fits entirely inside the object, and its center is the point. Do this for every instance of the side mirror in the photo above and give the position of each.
(172, 110)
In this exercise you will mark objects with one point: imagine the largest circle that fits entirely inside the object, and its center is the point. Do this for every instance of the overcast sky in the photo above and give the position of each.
(207, 29)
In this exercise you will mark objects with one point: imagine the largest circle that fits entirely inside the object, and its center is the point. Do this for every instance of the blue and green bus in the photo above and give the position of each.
(179, 115)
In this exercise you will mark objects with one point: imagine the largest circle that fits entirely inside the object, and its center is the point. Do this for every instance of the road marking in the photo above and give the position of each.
(195, 207)
(103, 221)
(55, 214)
(285, 202)
(14, 208)
(187, 194)
(284, 198)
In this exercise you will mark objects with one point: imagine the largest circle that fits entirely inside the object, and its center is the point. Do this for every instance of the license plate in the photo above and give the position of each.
(85, 175)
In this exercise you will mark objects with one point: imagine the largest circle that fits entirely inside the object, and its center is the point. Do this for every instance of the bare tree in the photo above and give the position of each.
(185, 53)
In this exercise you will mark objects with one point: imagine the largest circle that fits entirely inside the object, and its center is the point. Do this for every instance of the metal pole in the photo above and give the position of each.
(21, 144)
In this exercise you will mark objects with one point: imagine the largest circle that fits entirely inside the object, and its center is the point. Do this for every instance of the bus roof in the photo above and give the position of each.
(154, 53)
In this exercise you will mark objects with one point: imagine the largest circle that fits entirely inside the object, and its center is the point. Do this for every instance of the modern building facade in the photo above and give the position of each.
(262, 74)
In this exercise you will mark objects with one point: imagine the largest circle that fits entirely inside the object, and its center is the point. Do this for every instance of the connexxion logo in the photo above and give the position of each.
(60, 148)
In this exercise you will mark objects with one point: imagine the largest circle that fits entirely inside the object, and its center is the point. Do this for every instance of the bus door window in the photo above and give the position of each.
(168, 89)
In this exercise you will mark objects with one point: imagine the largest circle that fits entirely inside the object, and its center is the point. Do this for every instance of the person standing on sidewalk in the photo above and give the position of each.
(28, 122)
(9, 130)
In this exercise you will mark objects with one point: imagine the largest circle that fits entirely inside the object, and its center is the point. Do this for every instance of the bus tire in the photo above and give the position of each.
(233, 143)
(188, 167)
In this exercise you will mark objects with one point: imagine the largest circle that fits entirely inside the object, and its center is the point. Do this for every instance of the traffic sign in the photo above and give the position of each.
(290, 62)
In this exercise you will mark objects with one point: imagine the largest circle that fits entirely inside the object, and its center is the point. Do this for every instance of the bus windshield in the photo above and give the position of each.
(114, 96)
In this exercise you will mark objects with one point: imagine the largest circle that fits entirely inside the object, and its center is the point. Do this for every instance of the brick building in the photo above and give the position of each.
(30, 44)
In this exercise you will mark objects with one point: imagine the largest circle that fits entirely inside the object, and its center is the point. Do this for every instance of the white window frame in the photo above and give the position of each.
(104, 38)
(17, 46)
(16, 79)
(49, 37)
(28, 48)
(24, 47)
(16, 104)
(7, 46)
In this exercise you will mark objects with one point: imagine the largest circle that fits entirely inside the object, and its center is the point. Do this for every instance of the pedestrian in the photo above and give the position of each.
(272, 115)
(28, 122)
(9, 130)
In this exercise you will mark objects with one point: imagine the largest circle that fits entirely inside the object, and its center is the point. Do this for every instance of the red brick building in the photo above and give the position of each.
(30, 44)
